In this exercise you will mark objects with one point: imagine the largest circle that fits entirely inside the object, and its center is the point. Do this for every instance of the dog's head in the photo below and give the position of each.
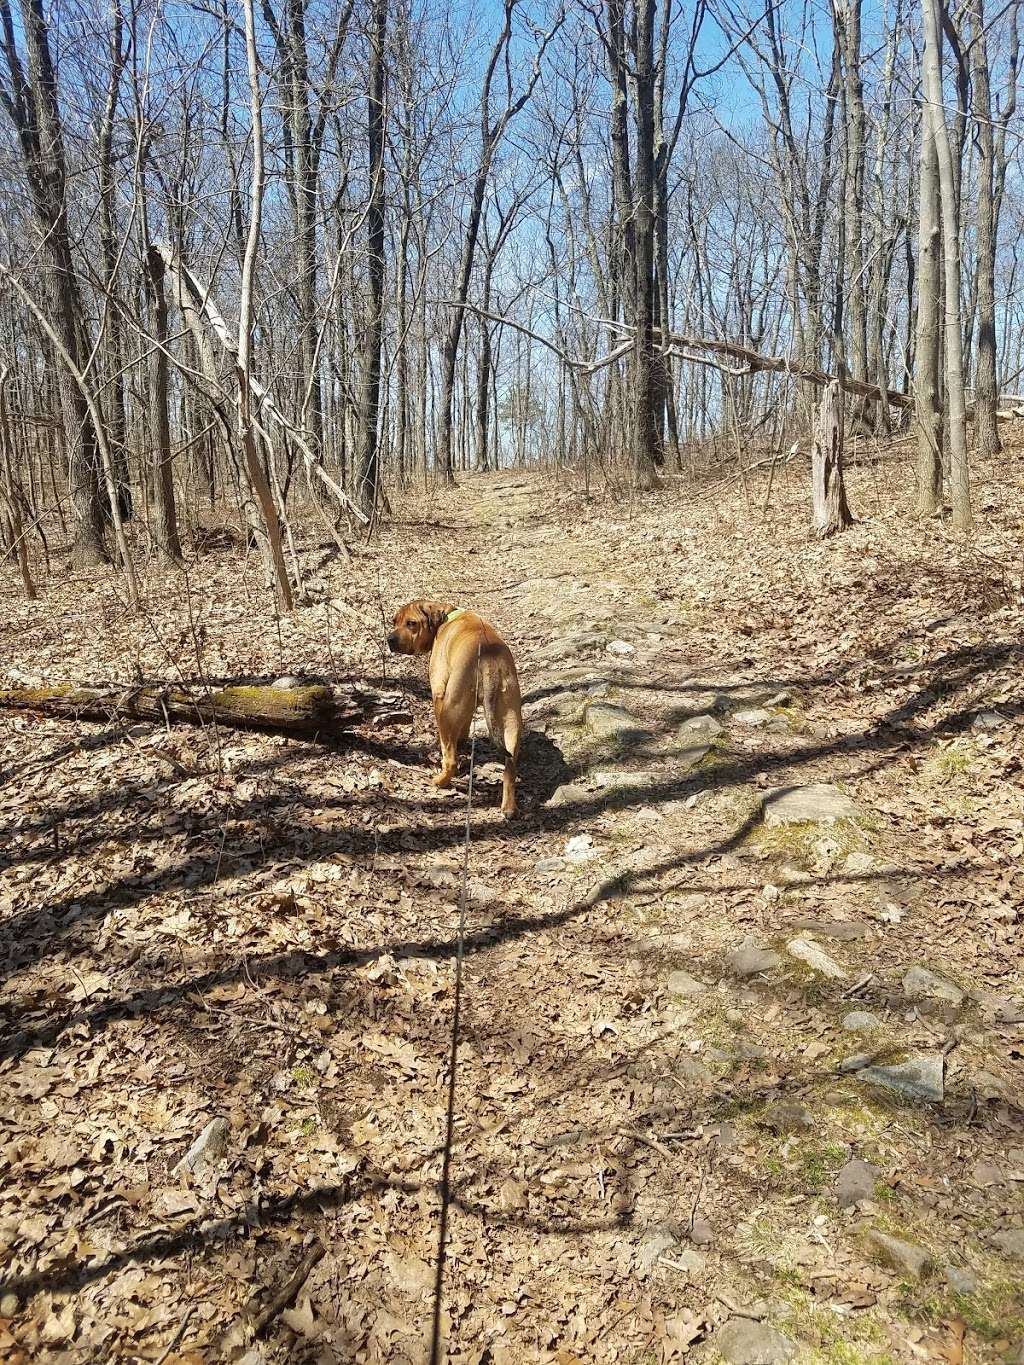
(415, 625)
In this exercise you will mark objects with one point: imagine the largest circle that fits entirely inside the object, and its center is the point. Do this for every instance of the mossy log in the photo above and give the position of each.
(306, 711)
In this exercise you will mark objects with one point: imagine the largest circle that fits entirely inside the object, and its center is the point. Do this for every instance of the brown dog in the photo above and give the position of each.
(470, 665)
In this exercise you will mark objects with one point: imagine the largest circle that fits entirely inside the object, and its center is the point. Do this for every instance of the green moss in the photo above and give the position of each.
(263, 700)
(949, 763)
(304, 1077)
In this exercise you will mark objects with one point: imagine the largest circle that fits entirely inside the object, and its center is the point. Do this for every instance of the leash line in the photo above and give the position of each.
(453, 1052)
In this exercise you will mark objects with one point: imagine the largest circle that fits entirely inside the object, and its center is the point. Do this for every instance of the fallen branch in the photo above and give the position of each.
(255, 1323)
(305, 712)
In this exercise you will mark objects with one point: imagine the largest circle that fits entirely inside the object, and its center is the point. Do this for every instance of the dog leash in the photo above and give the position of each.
(453, 1053)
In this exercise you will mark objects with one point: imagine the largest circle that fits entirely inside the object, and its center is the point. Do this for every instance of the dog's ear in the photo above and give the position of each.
(434, 613)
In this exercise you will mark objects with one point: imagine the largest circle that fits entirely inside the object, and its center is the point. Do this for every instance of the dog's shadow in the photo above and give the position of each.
(542, 768)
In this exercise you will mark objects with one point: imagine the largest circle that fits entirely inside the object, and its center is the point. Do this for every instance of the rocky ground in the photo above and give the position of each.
(742, 1024)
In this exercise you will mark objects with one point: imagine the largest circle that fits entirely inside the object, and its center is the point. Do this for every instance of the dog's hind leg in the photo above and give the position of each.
(453, 716)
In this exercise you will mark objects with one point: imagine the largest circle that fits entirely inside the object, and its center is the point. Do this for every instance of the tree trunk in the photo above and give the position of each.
(831, 511)
(986, 395)
(33, 106)
(278, 570)
(166, 517)
(956, 407)
(368, 468)
(928, 344)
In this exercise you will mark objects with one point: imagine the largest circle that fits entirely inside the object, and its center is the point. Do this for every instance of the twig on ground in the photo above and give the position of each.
(257, 1323)
(181, 1329)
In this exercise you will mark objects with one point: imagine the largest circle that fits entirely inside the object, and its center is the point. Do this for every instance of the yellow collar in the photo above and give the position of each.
(457, 611)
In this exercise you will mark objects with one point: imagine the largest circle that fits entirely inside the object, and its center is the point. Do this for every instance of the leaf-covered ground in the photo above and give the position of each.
(674, 1128)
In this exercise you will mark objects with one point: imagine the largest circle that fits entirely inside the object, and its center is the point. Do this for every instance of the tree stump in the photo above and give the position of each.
(831, 510)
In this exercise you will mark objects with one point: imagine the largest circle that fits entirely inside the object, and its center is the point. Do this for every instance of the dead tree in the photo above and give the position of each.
(831, 510)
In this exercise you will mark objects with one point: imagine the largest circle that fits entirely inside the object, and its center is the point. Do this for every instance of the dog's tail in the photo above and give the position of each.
(500, 718)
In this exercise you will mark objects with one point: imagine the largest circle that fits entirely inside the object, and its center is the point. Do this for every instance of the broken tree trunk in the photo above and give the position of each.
(831, 510)
(305, 712)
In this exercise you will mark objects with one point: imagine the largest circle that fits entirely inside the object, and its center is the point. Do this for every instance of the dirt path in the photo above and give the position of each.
(740, 1054)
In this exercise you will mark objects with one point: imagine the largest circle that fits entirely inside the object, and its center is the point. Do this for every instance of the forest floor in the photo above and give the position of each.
(741, 1052)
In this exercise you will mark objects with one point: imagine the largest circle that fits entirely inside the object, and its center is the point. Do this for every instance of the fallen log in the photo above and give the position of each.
(304, 711)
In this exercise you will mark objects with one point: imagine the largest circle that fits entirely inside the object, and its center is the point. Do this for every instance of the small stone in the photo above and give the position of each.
(208, 1148)
(581, 849)
(682, 983)
(751, 960)
(856, 1181)
(816, 803)
(986, 1173)
(690, 1261)
(745, 1342)
(919, 1077)
(701, 1234)
(788, 1117)
(755, 719)
(988, 720)
(904, 1256)
(607, 721)
(549, 865)
(960, 1279)
(570, 794)
(705, 727)
(1009, 1012)
(857, 864)
(919, 981)
(858, 1020)
(654, 1247)
(620, 647)
(8, 1305)
(1010, 1242)
(857, 1062)
(688, 1068)
(805, 950)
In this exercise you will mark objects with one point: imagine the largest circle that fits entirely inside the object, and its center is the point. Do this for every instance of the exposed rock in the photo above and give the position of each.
(857, 1020)
(704, 727)
(8, 1305)
(960, 1279)
(842, 930)
(608, 721)
(549, 865)
(570, 794)
(788, 1117)
(903, 1256)
(988, 720)
(918, 1078)
(750, 960)
(701, 1233)
(688, 1068)
(985, 1173)
(816, 803)
(611, 779)
(745, 1342)
(919, 982)
(620, 647)
(1008, 1011)
(654, 1246)
(581, 849)
(682, 983)
(755, 719)
(208, 1148)
(1010, 1242)
(858, 863)
(814, 956)
(856, 1181)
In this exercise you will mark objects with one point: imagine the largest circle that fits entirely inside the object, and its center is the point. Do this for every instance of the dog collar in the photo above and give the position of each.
(457, 611)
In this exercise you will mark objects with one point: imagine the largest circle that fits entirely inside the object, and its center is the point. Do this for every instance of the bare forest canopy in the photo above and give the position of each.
(282, 250)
